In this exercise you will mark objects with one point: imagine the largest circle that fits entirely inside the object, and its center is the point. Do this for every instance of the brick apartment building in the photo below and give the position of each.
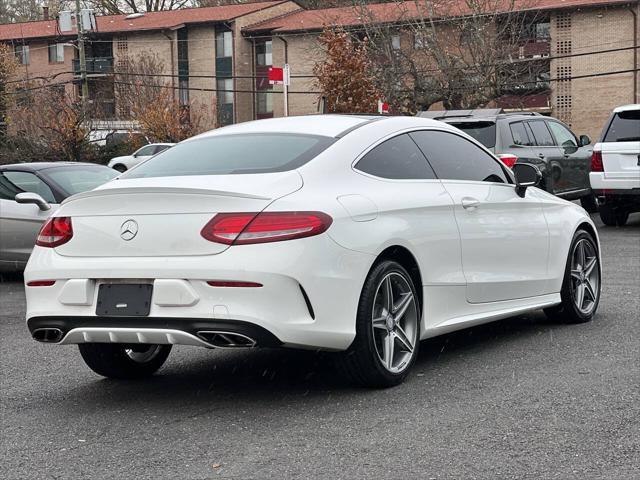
(218, 57)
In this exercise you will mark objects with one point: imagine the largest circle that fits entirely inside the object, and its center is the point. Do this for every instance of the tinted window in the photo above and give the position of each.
(28, 182)
(455, 158)
(484, 132)
(160, 148)
(79, 179)
(564, 137)
(397, 158)
(519, 134)
(541, 133)
(234, 154)
(144, 151)
(625, 127)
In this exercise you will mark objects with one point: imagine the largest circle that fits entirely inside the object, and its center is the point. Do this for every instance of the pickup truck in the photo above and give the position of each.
(615, 166)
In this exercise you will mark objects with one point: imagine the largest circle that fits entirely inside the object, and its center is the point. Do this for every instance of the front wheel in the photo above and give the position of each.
(387, 329)
(124, 361)
(581, 284)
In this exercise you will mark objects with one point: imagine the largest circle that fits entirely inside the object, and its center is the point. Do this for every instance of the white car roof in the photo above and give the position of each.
(627, 108)
(329, 125)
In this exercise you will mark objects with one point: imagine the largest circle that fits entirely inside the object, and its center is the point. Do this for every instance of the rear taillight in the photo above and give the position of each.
(55, 232)
(508, 159)
(596, 162)
(233, 284)
(41, 283)
(247, 228)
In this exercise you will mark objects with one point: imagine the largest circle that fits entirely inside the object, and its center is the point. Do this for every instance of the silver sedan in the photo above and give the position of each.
(30, 193)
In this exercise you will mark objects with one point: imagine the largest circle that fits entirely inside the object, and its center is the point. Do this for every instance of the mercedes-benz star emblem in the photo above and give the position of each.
(128, 230)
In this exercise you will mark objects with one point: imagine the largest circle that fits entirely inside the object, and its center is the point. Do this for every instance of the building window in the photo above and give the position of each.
(56, 53)
(224, 44)
(264, 55)
(183, 67)
(265, 103)
(395, 42)
(225, 101)
(22, 54)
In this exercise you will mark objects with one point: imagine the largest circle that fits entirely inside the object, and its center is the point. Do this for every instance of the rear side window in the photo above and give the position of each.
(456, 158)
(28, 182)
(398, 158)
(519, 134)
(542, 134)
(484, 132)
(234, 154)
(624, 127)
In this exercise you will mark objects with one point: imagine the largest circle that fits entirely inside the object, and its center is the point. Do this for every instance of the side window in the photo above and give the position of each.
(456, 158)
(146, 151)
(160, 148)
(519, 134)
(28, 182)
(564, 137)
(541, 133)
(398, 158)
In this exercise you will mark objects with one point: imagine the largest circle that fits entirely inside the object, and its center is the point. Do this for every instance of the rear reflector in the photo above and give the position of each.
(226, 283)
(41, 283)
(508, 159)
(596, 162)
(56, 231)
(249, 228)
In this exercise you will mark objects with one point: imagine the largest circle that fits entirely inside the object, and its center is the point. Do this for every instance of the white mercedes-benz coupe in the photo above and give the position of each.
(356, 234)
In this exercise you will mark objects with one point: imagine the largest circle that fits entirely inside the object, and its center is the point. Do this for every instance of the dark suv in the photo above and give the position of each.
(563, 158)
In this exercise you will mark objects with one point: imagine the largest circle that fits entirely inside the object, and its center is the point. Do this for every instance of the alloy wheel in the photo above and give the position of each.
(585, 276)
(395, 322)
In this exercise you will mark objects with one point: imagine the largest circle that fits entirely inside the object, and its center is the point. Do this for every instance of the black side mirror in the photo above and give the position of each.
(527, 175)
(585, 140)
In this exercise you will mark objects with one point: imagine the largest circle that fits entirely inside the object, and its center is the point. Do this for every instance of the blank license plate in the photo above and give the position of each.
(124, 300)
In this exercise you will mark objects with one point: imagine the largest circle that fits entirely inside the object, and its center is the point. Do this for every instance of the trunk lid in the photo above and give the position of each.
(164, 216)
(621, 160)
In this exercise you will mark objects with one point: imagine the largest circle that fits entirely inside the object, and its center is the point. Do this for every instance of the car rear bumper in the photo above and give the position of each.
(622, 185)
(309, 295)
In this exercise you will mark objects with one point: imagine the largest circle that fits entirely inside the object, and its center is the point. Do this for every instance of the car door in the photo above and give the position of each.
(576, 160)
(504, 237)
(550, 155)
(20, 223)
(518, 141)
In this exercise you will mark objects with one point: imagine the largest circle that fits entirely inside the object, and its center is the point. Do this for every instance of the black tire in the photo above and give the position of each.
(567, 311)
(361, 363)
(589, 203)
(111, 360)
(613, 217)
(120, 168)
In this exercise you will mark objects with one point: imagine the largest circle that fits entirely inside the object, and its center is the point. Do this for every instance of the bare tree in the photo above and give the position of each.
(144, 94)
(114, 7)
(463, 54)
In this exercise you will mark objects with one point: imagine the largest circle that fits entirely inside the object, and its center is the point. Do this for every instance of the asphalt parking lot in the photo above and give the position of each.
(520, 398)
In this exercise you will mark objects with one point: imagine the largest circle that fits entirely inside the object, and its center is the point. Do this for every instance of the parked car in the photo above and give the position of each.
(563, 158)
(615, 166)
(29, 194)
(361, 235)
(124, 163)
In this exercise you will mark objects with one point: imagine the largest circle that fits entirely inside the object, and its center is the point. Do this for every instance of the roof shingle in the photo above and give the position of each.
(312, 20)
(150, 21)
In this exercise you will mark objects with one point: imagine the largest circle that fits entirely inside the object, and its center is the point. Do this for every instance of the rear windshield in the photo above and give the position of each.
(234, 154)
(624, 127)
(484, 132)
(79, 179)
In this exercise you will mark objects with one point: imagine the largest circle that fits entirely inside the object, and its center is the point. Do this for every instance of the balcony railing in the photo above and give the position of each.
(95, 66)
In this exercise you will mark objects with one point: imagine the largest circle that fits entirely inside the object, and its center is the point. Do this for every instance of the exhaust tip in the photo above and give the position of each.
(226, 339)
(48, 335)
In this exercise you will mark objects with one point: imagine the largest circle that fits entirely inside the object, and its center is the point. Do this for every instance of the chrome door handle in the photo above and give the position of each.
(469, 203)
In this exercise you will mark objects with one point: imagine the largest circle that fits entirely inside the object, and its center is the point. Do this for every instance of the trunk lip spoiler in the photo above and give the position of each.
(162, 190)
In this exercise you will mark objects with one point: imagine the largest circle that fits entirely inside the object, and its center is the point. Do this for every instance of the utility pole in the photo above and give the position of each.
(83, 59)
